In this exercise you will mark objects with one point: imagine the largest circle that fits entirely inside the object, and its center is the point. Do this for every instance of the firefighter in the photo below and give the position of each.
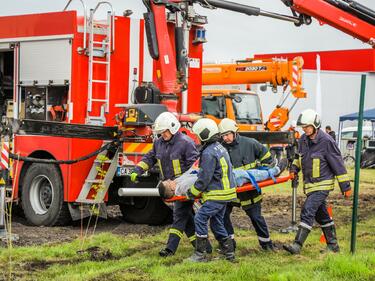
(320, 160)
(330, 132)
(216, 185)
(244, 154)
(291, 149)
(175, 153)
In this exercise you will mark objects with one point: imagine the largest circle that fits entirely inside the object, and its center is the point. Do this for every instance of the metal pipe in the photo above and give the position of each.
(84, 20)
(124, 191)
(112, 20)
(279, 16)
(247, 10)
(2, 211)
(357, 165)
(294, 205)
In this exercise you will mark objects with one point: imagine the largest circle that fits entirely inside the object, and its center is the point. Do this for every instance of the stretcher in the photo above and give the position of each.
(245, 187)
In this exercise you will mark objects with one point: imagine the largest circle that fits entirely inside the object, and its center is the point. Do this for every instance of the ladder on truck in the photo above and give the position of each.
(99, 178)
(99, 53)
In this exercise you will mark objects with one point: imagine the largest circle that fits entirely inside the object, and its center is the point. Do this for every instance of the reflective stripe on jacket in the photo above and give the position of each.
(174, 157)
(244, 154)
(320, 160)
(215, 177)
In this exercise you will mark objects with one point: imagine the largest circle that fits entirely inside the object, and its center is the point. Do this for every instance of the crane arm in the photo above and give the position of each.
(346, 15)
(277, 72)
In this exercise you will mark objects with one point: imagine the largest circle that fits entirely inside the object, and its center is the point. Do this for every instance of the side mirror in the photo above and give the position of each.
(237, 99)
(263, 87)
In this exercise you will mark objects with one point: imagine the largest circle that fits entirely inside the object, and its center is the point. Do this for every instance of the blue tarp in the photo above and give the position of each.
(368, 114)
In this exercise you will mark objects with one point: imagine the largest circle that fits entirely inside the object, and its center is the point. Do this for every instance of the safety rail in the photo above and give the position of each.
(91, 20)
(84, 20)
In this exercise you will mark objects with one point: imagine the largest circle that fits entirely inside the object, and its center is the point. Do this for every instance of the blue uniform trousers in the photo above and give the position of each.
(212, 211)
(254, 212)
(315, 207)
(183, 221)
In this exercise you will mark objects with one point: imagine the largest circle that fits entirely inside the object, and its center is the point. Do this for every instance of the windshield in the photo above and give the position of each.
(248, 110)
(214, 106)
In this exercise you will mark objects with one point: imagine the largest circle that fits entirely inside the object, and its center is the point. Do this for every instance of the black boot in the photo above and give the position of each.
(200, 254)
(268, 247)
(227, 248)
(330, 235)
(209, 246)
(221, 246)
(166, 252)
(295, 247)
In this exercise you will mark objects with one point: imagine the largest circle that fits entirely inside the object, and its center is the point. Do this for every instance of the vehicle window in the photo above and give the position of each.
(248, 110)
(214, 106)
(353, 134)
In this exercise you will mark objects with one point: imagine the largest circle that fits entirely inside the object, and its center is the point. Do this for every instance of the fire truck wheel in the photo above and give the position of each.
(43, 196)
(147, 210)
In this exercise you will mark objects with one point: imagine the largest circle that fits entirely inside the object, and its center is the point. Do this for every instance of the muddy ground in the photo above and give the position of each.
(276, 209)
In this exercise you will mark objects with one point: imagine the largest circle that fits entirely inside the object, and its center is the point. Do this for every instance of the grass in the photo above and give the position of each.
(134, 257)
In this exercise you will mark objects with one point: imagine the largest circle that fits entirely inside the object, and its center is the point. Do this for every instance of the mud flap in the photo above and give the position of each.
(85, 210)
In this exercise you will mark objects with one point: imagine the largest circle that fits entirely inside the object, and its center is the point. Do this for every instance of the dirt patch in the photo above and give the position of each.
(39, 235)
(96, 253)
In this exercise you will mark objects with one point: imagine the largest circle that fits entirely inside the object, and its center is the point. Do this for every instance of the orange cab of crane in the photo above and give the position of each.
(241, 106)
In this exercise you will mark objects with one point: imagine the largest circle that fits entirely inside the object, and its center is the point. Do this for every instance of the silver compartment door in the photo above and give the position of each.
(45, 60)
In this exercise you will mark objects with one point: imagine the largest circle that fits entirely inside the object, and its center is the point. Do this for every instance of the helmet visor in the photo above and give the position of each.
(158, 130)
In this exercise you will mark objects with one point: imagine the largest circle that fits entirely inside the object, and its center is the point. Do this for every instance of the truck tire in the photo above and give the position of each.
(147, 210)
(43, 196)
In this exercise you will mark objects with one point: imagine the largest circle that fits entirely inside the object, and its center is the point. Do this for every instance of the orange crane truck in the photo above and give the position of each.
(244, 106)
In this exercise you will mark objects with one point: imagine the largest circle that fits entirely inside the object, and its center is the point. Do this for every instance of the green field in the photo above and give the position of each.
(107, 256)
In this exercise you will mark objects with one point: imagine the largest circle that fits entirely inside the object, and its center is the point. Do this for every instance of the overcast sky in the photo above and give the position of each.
(230, 35)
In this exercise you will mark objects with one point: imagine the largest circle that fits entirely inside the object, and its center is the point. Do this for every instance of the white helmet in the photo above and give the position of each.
(309, 117)
(205, 129)
(166, 121)
(227, 125)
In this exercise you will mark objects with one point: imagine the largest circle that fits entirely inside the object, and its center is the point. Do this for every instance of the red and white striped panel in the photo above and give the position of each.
(295, 75)
(275, 122)
(4, 164)
(140, 61)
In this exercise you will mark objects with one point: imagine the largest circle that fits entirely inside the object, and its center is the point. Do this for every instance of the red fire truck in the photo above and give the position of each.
(77, 113)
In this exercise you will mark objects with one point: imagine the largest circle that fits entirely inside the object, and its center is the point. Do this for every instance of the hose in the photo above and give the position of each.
(114, 143)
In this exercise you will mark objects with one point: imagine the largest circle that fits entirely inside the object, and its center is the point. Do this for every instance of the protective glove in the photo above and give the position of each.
(133, 177)
(347, 194)
(295, 180)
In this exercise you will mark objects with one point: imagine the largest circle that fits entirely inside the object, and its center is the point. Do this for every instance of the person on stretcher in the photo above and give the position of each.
(181, 185)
